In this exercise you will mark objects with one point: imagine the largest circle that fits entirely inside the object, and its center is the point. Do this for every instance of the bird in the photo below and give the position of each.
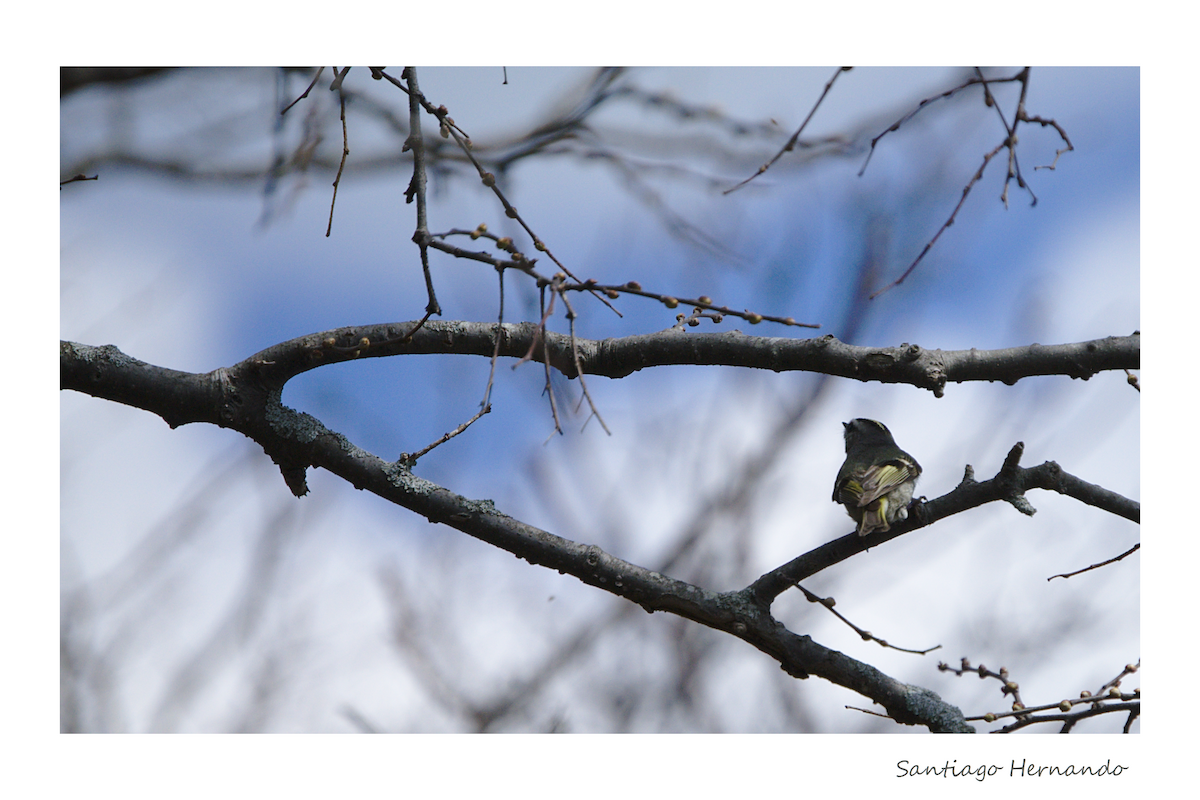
(877, 479)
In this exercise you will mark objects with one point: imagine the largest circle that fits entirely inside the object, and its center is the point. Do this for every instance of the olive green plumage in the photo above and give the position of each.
(876, 482)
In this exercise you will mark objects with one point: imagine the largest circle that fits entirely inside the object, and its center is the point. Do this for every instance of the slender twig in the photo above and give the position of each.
(546, 312)
(1101, 702)
(579, 371)
(410, 460)
(867, 636)
(316, 78)
(791, 143)
(539, 341)
(487, 390)
(703, 302)
(510, 211)
(378, 74)
(1112, 560)
(1133, 708)
(1009, 143)
(79, 177)
(895, 126)
(342, 163)
(1128, 669)
(1062, 133)
(1008, 687)
(540, 331)
(417, 187)
(945, 225)
(450, 129)
(612, 291)
(1014, 167)
(420, 324)
(335, 85)
(358, 347)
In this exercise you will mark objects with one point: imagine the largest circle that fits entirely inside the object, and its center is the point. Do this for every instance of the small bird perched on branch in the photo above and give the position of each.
(876, 482)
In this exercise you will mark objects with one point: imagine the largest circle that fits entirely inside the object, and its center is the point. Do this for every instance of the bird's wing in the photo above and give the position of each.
(882, 478)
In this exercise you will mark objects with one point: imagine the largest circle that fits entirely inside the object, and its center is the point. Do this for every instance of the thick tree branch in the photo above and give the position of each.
(617, 358)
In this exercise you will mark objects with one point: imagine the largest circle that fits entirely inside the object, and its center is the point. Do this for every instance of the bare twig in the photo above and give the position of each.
(360, 346)
(791, 143)
(410, 460)
(335, 85)
(895, 126)
(417, 187)
(345, 152)
(78, 178)
(1014, 168)
(1102, 702)
(703, 302)
(1008, 687)
(1009, 143)
(1112, 560)
(520, 262)
(539, 342)
(487, 390)
(450, 129)
(1131, 705)
(579, 370)
(1062, 133)
(547, 311)
(828, 603)
(945, 225)
(316, 78)
(1108, 700)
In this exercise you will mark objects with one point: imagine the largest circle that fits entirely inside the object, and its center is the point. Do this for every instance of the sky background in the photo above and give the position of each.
(196, 276)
